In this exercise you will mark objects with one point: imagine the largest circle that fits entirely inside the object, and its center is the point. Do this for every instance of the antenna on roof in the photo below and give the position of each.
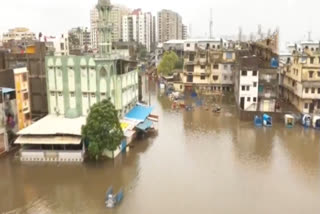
(211, 24)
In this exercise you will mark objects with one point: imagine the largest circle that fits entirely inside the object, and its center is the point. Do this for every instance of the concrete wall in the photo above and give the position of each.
(250, 91)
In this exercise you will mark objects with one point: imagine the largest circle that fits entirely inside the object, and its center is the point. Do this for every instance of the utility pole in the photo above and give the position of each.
(211, 24)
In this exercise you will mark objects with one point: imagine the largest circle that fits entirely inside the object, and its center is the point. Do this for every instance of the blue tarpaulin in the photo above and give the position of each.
(145, 125)
(139, 113)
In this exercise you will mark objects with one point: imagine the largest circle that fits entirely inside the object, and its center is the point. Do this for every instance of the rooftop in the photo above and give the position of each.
(55, 125)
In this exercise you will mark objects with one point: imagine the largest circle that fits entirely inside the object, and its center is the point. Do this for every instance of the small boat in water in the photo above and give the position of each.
(111, 199)
(289, 120)
(258, 121)
(306, 120)
(267, 120)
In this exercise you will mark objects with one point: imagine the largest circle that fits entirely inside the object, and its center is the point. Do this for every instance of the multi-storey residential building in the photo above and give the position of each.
(60, 45)
(34, 60)
(79, 39)
(301, 77)
(208, 65)
(139, 27)
(256, 75)
(94, 17)
(18, 34)
(17, 79)
(184, 32)
(169, 26)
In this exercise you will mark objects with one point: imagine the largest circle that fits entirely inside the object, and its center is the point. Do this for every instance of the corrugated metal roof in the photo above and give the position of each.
(139, 113)
(55, 125)
(57, 140)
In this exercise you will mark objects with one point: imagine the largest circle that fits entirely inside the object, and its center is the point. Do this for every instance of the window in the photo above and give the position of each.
(24, 77)
(254, 73)
(306, 105)
(62, 46)
(189, 78)
(229, 55)
(25, 96)
(203, 77)
(248, 88)
(191, 57)
(310, 74)
(318, 90)
(72, 94)
(254, 99)
(231, 77)
(318, 73)
(190, 68)
(218, 47)
(215, 66)
(224, 77)
(243, 73)
(313, 90)
(213, 46)
(225, 67)
(254, 84)
(27, 116)
(248, 99)
(202, 67)
(188, 45)
(307, 90)
(311, 60)
(180, 86)
(215, 77)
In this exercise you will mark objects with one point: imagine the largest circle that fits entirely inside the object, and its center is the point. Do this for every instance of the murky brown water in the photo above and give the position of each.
(200, 162)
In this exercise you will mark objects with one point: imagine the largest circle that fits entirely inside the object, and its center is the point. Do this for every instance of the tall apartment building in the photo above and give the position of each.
(80, 38)
(184, 32)
(139, 27)
(301, 77)
(18, 34)
(116, 14)
(94, 17)
(169, 26)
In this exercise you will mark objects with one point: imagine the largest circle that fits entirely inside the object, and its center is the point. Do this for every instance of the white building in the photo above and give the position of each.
(94, 17)
(139, 27)
(60, 45)
(248, 90)
(18, 34)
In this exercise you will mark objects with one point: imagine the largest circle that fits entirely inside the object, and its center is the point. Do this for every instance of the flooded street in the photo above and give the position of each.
(200, 162)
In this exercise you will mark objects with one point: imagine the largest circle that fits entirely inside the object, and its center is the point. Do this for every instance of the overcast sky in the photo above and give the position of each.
(294, 17)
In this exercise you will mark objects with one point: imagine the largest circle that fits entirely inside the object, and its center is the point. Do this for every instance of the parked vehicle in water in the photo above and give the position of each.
(267, 120)
(306, 120)
(258, 121)
(289, 120)
(316, 121)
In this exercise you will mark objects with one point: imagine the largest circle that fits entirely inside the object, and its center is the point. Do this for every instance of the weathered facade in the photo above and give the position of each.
(257, 75)
(301, 77)
(208, 65)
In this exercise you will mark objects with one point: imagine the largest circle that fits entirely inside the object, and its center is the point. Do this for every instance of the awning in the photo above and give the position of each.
(48, 140)
(139, 113)
(145, 125)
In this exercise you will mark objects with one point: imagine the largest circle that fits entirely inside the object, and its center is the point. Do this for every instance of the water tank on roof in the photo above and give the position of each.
(274, 63)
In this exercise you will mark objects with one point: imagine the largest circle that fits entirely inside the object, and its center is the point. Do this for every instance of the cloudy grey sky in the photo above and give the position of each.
(294, 17)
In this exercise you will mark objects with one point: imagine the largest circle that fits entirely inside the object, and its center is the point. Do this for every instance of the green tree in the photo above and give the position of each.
(102, 129)
(168, 63)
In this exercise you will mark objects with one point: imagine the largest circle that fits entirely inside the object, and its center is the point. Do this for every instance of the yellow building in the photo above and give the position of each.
(22, 97)
(208, 65)
(301, 81)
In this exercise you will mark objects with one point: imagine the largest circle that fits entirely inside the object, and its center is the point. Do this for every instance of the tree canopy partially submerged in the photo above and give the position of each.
(102, 129)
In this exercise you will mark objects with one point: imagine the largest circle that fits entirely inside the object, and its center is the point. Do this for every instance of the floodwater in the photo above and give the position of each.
(200, 162)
